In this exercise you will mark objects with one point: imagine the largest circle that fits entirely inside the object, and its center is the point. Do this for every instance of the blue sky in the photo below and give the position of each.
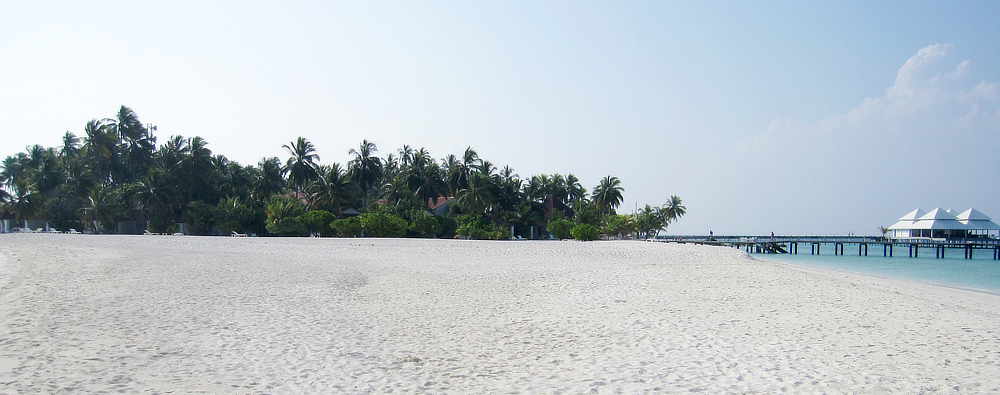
(791, 117)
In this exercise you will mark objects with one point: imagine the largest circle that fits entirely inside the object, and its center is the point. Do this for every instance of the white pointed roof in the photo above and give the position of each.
(938, 214)
(977, 220)
(913, 215)
(941, 224)
(973, 215)
(902, 225)
(939, 218)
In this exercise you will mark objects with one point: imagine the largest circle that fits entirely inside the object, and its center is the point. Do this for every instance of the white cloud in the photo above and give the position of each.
(930, 140)
(921, 104)
(961, 70)
(910, 77)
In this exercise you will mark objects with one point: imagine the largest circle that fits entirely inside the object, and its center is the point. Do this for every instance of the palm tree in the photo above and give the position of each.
(459, 170)
(365, 168)
(673, 210)
(100, 149)
(507, 173)
(136, 146)
(70, 147)
(198, 169)
(449, 163)
(170, 155)
(390, 166)
(47, 174)
(426, 180)
(648, 220)
(157, 195)
(396, 194)
(301, 166)
(282, 214)
(237, 180)
(476, 198)
(331, 188)
(527, 214)
(79, 179)
(24, 203)
(4, 196)
(507, 188)
(127, 125)
(534, 190)
(14, 170)
(558, 187)
(574, 188)
(406, 156)
(269, 181)
(487, 169)
(608, 195)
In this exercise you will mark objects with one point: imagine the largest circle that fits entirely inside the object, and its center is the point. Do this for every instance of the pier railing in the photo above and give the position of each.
(789, 244)
(832, 239)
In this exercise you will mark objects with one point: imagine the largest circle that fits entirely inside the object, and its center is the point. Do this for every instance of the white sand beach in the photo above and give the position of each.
(167, 314)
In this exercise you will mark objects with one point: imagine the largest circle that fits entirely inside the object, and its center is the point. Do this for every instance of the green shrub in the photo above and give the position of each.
(448, 226)
(198, 215)
(585, 232)
(318, 222)
(161, 224)
(617, 225)
(283, 216)
(560, 228)
(233, 215)
(382, 225)
(347, 227)
(424, 225)
(479, 227)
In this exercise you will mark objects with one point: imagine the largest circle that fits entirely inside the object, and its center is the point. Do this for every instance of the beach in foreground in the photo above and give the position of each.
(164, 314)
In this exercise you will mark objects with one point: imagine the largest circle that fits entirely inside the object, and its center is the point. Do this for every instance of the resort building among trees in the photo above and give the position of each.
(944, 224)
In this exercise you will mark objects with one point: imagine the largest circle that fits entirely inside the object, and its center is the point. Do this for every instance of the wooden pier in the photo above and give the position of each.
(790, 244)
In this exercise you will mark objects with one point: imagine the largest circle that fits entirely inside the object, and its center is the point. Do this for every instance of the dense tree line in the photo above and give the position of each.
(116, 172)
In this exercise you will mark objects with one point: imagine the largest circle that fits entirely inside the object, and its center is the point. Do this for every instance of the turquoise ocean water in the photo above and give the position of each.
(981, 273)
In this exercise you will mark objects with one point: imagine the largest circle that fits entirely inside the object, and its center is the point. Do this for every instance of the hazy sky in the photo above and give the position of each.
(791, 117)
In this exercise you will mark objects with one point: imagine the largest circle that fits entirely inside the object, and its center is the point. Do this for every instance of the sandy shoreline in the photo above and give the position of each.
(151, 314)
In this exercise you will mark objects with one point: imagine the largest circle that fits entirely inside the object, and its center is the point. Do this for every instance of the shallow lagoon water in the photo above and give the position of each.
(981, 273)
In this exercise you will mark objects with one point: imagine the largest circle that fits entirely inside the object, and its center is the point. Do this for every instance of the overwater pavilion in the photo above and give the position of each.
(944, 224)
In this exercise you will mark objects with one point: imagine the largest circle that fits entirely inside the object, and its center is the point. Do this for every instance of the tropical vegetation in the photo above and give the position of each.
(116, 172)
